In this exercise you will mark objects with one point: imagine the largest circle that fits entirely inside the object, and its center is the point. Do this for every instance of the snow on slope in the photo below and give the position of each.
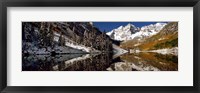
(74, 45)
(130, 31)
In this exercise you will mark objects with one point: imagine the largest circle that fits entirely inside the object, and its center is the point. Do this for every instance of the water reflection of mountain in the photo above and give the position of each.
(101, 62)
(146, 62)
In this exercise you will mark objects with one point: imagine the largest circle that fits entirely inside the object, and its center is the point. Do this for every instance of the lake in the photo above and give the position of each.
(144, 61)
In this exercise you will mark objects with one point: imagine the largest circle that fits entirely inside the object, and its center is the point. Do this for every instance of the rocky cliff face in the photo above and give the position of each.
(170, 28)
(63, 37)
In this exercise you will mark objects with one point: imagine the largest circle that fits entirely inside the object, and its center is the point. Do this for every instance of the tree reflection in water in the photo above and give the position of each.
(101, 62)
(68, 62)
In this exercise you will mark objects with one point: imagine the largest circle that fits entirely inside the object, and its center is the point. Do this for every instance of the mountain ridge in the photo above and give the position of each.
(166, 38)
(130, 31)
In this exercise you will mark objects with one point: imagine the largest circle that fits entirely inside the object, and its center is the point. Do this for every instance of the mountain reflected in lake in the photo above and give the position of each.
(145, 62)
(101, 62)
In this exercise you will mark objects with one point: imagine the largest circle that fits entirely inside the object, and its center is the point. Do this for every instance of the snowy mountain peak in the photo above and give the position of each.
(153, 27)
(127, 27)
(130, 26)
(130, 31)
(120, 27)
(123, 32)
(160, 24)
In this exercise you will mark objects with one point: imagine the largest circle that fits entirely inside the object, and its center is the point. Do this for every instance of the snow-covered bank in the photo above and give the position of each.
(75, 45)
(46, 51)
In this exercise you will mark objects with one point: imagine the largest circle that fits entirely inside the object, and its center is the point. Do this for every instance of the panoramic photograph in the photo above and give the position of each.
(100, 46)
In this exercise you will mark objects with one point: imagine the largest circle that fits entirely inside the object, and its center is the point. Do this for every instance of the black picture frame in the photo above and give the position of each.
(101, 3)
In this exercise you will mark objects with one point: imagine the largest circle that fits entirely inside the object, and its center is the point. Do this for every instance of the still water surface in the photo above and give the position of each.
(101, 62)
